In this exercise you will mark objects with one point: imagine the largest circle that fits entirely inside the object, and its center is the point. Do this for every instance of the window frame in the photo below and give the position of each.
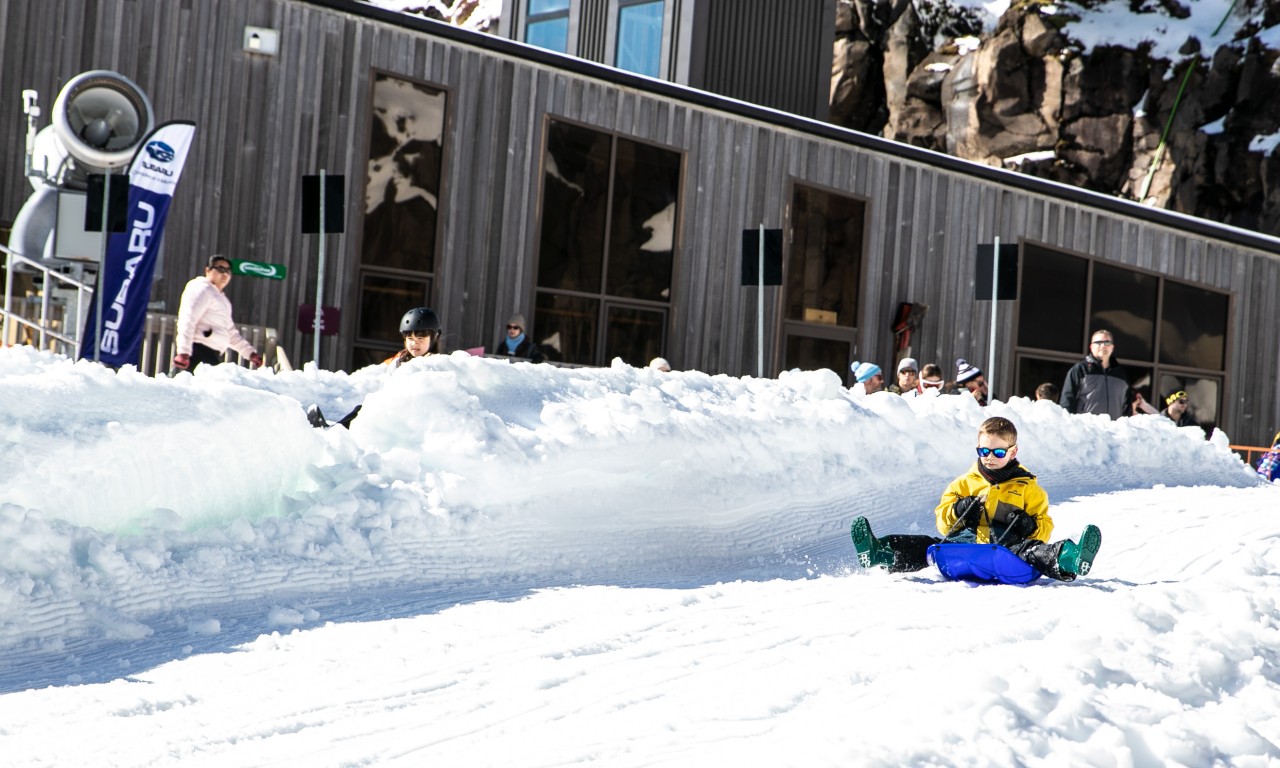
(606, 301)
(1155, 367)
(612, 30)
(354, 295)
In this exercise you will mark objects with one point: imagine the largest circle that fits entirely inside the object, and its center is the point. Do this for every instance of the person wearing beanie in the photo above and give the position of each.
(516, 343)
(908, 376)
(998, 501)
(1176, 408)
(970, 377)
(660, 364)
(868, 375)
(1098, 383)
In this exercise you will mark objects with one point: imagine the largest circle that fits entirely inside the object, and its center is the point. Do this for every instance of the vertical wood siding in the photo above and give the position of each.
(263, 122)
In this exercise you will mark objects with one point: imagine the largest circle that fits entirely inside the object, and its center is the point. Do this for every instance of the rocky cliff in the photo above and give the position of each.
(1082, 93)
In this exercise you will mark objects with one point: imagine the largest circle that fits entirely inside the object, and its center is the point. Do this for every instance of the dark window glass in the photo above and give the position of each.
(383, 301)
(826, 258)
(1193, 327)
(1052, 300)
(642, 227)
(640, 38)
(609, 216)
(635, 335)
(809, 353)
(565, 327)
(575, 199)
(1124, 302)
(552, 34)
(402, 188)
(1034, 371)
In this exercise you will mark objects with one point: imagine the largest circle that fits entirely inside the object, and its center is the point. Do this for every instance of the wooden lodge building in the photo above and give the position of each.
(486, 177)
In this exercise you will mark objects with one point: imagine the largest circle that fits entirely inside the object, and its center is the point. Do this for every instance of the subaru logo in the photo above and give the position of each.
(160, 152)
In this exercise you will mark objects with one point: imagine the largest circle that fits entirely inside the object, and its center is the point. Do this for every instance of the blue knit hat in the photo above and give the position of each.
(863, 371)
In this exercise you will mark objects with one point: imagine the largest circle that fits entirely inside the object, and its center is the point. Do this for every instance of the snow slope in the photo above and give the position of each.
(510, 564)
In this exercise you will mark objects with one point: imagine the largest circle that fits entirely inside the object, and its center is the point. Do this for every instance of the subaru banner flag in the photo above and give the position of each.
(124, 279)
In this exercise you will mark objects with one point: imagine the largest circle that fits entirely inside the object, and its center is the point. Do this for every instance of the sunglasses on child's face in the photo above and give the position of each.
(999, 453)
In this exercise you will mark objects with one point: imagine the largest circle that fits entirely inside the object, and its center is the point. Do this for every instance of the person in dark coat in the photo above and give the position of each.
(1177, 408)
(516, 343)
(1098, 383)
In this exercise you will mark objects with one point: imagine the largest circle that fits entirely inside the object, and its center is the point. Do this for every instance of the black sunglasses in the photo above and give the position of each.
(513, 327)
(223, 270)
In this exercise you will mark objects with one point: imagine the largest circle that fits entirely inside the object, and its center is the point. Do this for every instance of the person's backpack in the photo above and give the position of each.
(1269, 465)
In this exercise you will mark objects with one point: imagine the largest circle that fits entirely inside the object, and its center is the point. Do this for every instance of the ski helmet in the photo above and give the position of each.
(420, 319)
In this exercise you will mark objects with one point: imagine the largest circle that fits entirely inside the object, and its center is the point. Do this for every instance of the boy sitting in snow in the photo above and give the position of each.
(997, 501)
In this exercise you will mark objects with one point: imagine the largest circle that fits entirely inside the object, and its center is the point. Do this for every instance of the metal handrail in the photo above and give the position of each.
(43, 326)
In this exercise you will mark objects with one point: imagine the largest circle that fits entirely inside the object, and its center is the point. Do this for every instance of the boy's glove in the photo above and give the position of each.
(969, 511)
(1022, 525)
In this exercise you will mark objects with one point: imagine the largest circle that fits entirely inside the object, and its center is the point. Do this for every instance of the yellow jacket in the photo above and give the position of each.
(1002, 499)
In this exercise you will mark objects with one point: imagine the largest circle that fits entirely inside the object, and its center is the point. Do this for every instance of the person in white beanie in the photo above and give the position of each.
(908, 376)
(868, 375)
(660, 364)
(970, 377)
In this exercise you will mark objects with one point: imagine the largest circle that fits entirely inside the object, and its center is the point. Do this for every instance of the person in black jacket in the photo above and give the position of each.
(516, 343)
(1098, 383)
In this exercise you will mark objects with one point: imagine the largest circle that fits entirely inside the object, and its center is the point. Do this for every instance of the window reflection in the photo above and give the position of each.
(1124, 302)
(639, 46)
(1193, 326)
(402, 191)
(642, 230)
(547, 25)
(610, 214)
(826, 258)
(402, 185)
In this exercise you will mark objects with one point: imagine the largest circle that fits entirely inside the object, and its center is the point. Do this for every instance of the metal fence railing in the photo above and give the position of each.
(41, 319)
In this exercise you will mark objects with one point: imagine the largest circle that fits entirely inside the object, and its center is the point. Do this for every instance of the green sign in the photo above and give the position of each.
(257, 269)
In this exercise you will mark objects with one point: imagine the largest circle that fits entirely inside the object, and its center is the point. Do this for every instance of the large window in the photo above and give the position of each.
(1170, 336)
(820, 302)
(402, 197)
(547, 25)
(606, 250)
(639, 47)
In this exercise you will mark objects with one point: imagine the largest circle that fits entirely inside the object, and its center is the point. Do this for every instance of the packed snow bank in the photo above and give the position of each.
(126, 499)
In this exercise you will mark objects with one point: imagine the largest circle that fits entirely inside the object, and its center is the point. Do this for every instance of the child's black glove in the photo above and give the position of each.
(1022, 525)
(969, 511)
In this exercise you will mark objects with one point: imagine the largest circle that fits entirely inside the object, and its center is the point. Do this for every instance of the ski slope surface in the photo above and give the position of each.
(521, 565)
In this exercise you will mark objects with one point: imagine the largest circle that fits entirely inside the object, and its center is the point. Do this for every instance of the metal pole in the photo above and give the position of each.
(760, 309)
(995, 303)
(316, 323)
(102, 265)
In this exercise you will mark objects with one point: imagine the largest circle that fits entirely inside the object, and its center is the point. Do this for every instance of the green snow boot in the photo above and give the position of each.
(871, 552)
(1078, 558)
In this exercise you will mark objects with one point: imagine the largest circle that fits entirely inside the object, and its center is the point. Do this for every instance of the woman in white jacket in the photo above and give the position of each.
(205, 327)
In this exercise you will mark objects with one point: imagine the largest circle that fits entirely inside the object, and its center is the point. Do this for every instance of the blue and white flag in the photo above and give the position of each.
(124, 279)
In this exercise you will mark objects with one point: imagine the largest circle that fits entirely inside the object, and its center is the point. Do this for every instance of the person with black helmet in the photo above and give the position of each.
(420, 330)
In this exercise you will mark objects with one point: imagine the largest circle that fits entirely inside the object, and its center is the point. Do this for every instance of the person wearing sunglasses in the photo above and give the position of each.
(205, 328)
(930, 379)
(1177, 409)
(1098, 383)
(420, 331)
(908, 377)
(516, 343)
(996, 502)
